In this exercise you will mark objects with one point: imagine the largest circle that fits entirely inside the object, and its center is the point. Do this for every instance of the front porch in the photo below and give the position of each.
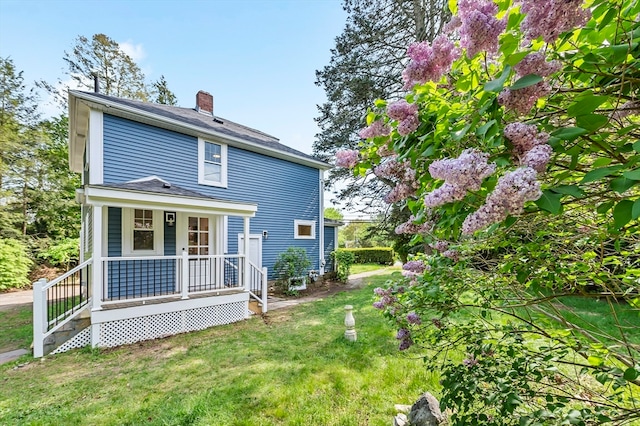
(154, 263)
(161, 296)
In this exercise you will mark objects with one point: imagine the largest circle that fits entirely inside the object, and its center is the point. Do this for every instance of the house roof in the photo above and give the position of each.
(184, 120)
(160, 194)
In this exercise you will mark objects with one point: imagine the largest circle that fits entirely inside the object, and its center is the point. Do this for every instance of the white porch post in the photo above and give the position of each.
(39, 317)
(246, 270)
(185, 275)
(264, 290)
(96, 272)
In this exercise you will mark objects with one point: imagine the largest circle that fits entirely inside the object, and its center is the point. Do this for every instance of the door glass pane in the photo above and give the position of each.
(193, 224)
(193, 238)
(193, 250)
(204, 224)
(204, 250)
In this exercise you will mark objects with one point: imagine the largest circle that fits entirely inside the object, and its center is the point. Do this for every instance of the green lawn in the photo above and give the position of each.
(366, 267)
(292, 368)
(16, 331)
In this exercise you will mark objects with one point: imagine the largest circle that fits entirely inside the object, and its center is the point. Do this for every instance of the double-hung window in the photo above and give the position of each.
(142, 232)
(212, 163)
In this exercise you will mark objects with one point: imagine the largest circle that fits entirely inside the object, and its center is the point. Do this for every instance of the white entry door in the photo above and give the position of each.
(255, 248)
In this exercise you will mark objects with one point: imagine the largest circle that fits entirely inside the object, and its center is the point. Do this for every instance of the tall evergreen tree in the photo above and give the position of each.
(366, 64)
(161, 92)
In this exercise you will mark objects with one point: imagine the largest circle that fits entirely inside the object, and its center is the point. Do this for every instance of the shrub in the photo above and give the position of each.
(63, 254)
(380, 255)
(292, 263)
(344, 258)
(14, 264)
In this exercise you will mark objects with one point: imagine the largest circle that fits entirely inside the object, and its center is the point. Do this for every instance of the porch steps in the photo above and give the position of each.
(67, 332)
(255, 306)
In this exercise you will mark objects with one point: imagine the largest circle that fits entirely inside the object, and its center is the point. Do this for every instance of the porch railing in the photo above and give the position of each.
(153, 277)
(57, 301)
(258, 285)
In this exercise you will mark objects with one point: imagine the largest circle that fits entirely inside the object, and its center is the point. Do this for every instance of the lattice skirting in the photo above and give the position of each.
(80, 340)
(131, 330)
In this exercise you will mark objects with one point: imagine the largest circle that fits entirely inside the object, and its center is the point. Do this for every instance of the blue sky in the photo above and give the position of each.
(256, 57)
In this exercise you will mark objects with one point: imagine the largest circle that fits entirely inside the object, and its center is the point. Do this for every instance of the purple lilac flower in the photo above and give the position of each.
(522, 100)
(536, 63)
(347, 158)
(470, 361)
(406, 114)
(415, 266)
(403, 333)
(377, 128)
(461, 175)
(405, 344)
(378, 305)
(451, 254)
(511, 192)
(550, 18)
(524, 137)
(385, 151)
(439, 245)
(402, 175)
(379, 291)
(480, 28)
(537, 157)
(429, 62)
(409, 227)
(627, 109)
(413, 318)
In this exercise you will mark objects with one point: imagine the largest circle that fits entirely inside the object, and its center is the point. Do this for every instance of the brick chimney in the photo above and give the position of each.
(204, 102)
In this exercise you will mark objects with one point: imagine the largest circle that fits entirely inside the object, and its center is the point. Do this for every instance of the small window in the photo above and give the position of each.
(305, 229)
(142, 232)
(212, 163)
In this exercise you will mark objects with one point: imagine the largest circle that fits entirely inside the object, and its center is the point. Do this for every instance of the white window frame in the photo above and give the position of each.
(127, 233)
(311, 223)
(223, 164)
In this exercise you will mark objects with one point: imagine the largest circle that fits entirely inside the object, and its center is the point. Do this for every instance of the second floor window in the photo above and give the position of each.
(212, 167)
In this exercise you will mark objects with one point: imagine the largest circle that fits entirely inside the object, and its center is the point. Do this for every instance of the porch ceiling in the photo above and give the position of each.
(122, 195)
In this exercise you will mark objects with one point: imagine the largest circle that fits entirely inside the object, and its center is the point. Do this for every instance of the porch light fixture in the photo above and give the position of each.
(170, 218)
(265, 234)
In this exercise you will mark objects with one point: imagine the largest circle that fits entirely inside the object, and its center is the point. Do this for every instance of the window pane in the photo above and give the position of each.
(204, 224)
(143, 219)
(212, 172)
(204, 239)
(143, 240)
(193, 224)
(204, 251)
(213, 153)
(193, 250)
(304, 230)
(193, 238)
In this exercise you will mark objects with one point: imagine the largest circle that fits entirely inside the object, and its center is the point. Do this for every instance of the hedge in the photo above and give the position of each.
(380, 255)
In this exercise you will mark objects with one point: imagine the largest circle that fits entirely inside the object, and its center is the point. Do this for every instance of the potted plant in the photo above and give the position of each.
(291, 269)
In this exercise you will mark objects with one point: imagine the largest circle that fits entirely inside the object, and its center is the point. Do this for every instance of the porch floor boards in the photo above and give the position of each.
(176, 298)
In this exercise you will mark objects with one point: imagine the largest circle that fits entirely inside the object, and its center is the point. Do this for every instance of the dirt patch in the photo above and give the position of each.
(319, 288)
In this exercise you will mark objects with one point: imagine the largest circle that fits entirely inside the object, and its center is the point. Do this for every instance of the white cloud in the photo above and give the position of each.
(136, 51)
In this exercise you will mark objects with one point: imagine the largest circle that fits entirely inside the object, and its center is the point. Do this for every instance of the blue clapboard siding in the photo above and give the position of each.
(138, 278)
(284, 191)
(330, 245)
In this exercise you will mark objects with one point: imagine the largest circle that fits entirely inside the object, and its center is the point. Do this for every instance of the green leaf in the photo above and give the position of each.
(591, 122)
(569, 133)
(604, 207)
(516, 57)
(572, 190)
(632, 174)
(635, 211)
(497, 84)
(631, 374)
(596, 174)
(526, 81)
(586, 105)
(622, 184)
(550, 202)
(622, 213)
